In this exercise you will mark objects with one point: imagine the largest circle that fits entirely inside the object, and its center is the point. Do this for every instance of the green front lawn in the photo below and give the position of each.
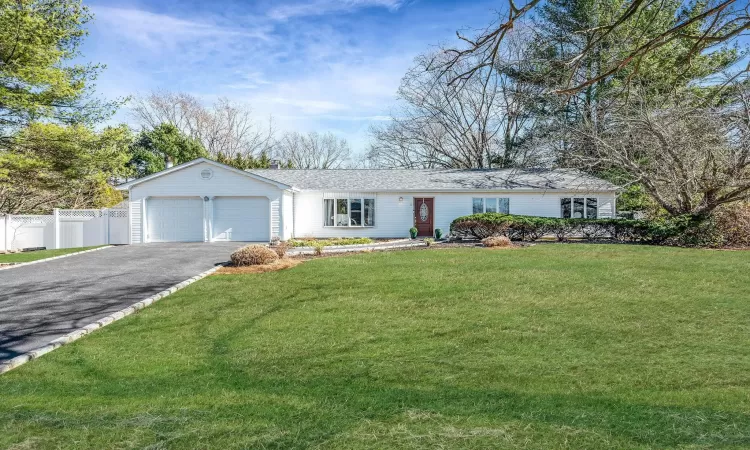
(552, 346)
(40, 254)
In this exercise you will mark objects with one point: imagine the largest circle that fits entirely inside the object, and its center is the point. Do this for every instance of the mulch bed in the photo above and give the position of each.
(282, 264)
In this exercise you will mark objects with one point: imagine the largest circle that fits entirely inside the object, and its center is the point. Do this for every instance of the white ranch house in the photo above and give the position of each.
(203, 200)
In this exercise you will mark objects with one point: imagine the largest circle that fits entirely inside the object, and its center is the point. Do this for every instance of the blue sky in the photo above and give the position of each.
(320, 65)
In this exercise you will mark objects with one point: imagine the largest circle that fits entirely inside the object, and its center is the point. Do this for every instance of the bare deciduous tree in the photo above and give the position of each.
(226, 127)
(726, 21)
(313, 150)
(481, 124)
(689, 159)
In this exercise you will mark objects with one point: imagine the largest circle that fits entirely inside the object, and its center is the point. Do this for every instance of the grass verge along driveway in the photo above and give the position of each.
(553, 346)
(40, 254)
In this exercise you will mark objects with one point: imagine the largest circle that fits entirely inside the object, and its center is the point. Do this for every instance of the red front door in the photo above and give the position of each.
(423, 216)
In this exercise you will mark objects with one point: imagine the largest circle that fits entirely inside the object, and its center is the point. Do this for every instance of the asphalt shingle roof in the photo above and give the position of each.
(434, 179)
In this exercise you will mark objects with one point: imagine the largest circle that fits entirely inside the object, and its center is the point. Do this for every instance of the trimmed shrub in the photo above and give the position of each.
(672, 231)
(496, 241)
(438, 233)
(318, 249)
(480, 226)
(253, 255)
(413, 232)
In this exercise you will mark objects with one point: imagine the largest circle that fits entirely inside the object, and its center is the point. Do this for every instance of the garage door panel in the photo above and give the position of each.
(175, 219)
(241, 219)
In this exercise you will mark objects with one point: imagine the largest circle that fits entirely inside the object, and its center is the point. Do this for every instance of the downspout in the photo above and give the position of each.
(294, 212)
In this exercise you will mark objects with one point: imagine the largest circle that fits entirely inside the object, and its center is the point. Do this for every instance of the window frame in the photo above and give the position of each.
(496, 201)
(348, 201)
(571, 200)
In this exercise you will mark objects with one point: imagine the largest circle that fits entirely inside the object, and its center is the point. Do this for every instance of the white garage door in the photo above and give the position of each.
(174, 219)
(241, 219)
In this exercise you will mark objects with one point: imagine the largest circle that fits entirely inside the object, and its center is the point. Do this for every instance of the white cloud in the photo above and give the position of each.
(314, 74)
(158, 32)
(354, 89)
(309, 106)
(321, 7)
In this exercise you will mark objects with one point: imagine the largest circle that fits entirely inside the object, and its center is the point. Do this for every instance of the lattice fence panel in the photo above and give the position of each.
(118, 213)
(80, 213)
(31, 220)
(75, 228)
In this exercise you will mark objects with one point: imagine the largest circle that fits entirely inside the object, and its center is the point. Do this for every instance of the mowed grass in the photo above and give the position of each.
(39, 254)
(553, 346)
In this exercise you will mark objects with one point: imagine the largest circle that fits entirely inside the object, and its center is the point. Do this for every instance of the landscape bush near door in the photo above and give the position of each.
(673, 231)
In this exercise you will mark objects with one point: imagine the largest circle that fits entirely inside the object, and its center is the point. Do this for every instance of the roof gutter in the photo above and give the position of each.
(525, 190)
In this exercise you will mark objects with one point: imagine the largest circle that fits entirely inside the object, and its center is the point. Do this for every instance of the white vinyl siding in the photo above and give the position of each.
(188, 182)
(302, 215)
(136, 225)
(607, 207)
(276, 217)
(287, 216)
(393, 218)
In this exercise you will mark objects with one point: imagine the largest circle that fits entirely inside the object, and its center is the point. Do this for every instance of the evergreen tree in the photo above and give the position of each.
(153, 149)
(568, 27)
(38, 39)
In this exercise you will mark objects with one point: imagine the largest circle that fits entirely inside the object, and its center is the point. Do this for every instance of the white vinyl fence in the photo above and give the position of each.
(65, 228)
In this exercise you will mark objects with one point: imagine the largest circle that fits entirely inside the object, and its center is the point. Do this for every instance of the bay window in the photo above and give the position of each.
(579, 207)
(348, 212)
(491, 204)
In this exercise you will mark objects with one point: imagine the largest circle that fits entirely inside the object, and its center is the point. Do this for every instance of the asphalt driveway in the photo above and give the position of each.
(44, 301)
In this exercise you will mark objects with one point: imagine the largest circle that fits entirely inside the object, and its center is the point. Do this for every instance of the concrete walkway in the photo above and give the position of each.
(403, 243)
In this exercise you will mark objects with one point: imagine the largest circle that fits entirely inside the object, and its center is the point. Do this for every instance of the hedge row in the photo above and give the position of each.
(531, 228)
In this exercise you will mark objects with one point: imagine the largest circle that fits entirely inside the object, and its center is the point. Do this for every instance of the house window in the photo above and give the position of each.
(356, 211)
(579, 207)
(503, 205)
(478, 205)
(348, 212)
(369, 212)
(592, 208)
(491, 204)
(328, 212)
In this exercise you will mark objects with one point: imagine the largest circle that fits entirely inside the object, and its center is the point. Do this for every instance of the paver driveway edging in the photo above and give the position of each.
(14, 265)
(103, 322)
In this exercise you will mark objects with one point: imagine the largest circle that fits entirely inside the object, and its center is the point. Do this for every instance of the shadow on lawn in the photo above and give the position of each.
(353, 400)
(353, 395)
(305, 411)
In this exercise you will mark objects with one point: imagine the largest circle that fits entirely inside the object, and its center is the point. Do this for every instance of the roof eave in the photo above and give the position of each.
(128, 185)
(526, 190)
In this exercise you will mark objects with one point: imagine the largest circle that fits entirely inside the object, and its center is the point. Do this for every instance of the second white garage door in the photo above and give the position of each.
(241, 219)
(175, 219)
